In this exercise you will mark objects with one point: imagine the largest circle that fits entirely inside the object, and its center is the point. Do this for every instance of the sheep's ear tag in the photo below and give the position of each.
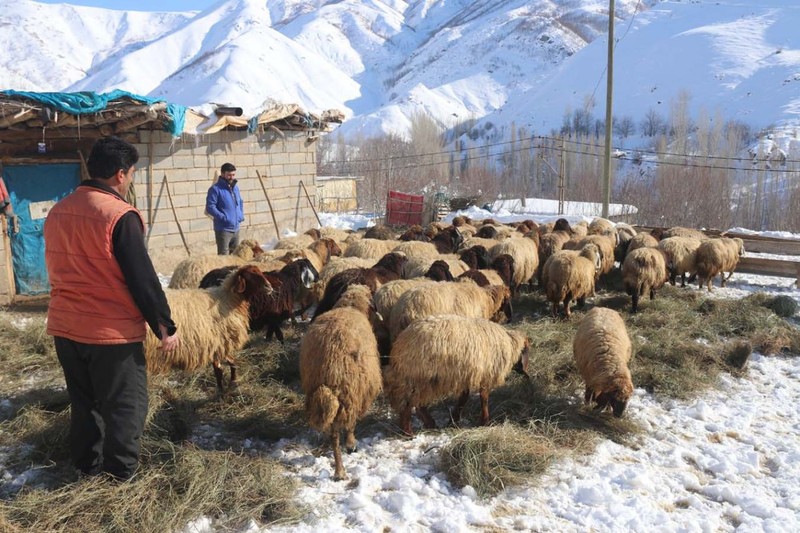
(379, 316)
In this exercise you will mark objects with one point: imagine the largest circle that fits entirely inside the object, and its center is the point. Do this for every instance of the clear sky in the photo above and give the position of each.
(140, 5)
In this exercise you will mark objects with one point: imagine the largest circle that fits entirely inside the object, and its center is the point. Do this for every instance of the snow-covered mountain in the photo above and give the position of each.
(526, 62)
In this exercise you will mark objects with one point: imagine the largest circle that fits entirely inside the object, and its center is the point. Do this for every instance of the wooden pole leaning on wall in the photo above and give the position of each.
(165, 183)
(269, 203)
(303, 185)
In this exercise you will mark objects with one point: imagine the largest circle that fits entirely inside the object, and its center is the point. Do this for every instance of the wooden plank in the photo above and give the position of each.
(770, 267)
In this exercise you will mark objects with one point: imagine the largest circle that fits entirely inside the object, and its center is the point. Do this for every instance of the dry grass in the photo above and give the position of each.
(682, 341)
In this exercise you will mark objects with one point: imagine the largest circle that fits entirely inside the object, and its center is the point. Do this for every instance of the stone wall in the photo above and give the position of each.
(191, 164)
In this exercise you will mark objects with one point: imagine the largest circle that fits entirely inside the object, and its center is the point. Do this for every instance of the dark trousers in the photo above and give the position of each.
(107, 386)
(227, 241)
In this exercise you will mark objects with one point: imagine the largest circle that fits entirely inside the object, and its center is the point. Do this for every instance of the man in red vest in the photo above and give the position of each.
(104, 294)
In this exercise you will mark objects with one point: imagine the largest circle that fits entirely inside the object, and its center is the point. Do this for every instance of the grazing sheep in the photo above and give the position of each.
(625, 234)
(214, 324)
(681, 253)
(389, 268)
(570, 275)
(370, 248)
(602, 226)
(602, 352)
(549, 243)
(604, 243)
(465, 299)
(447, 355)
(188, 273)
(641, 240)
(717, 256)
(679, 231)
(448, 240)
(526, 259)
(643, 272)
(340, 371)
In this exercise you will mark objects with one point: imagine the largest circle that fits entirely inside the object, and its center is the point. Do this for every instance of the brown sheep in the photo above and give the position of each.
(717, 256)
(602, 352)
(570, 275)
(643, 272)
(340, 371)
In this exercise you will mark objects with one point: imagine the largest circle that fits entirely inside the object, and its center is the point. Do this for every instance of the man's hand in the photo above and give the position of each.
(169, 343)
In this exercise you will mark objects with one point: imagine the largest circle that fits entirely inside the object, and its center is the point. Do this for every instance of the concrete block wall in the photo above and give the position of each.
(191, 164)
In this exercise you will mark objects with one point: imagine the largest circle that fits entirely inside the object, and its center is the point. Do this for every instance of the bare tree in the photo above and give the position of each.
(624, 127)
(653, 124)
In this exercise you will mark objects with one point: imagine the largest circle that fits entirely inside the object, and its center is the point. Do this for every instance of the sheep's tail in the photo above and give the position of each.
(322, 406)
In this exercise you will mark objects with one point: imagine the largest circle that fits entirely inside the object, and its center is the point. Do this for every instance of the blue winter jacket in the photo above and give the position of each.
(224, 203)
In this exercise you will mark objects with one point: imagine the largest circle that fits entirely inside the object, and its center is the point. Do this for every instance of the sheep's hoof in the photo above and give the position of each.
(351, 449)
(233, 386)
(339, 476)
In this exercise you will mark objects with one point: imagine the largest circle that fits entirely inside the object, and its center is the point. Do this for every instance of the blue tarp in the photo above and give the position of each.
(86, 102)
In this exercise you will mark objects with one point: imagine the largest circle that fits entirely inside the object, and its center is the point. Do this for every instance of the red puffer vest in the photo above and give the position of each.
(89, 300)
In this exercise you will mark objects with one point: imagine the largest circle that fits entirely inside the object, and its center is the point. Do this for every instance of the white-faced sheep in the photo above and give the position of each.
(464, 298)
(447, 355)
(681, 253)
(188, 273)
(602, 352)
(340, 371)
(717, 256)
(213, 324)
(643, 272)
(570, 275)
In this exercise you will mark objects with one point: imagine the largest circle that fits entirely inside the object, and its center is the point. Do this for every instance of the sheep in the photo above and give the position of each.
(581, 229)
(471, 242)
(289, 287)
(602, 226)
(500, 274)
(442, 356)
(417, 266)
(679, 231)
(415, 233)
(454, 298)
(188, 273)
(526, 259)
(448, 240)
(381, 233)
(340, 371)
(214, 325)
(625, 234)
(370, 248)
(602, 352)
(320, 252)
(643, 272)
(298, 242)
(604, 243)
(385, 299)
(549, 243)
(337, 234)
(389, 268)
(417, 249)
(487, 232)
(476, 257)
(717, 256)
(439, 271)
(569, 275)
(681, 256)
(640, 240)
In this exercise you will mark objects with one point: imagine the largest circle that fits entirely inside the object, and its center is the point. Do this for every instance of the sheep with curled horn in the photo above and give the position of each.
(340, 371)
(214, 325)
(602, 351)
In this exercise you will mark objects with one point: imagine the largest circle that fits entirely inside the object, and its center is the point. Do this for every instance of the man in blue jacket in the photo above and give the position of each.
(224, 204)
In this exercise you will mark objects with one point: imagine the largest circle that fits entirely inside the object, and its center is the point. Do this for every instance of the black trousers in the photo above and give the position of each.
(107, 386)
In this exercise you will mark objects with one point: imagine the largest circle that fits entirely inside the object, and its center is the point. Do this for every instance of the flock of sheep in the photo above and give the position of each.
(418, 316)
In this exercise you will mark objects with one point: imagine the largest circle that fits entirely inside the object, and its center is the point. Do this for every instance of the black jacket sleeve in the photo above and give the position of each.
(139, 274)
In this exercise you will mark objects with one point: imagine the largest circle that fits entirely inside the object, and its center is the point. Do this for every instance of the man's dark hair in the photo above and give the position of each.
(228, 167)
(109, 155)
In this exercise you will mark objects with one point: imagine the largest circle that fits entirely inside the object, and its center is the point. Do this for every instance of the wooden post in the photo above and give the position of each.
(269, 203)
(175, 214)
(150, 186)
(310, 203)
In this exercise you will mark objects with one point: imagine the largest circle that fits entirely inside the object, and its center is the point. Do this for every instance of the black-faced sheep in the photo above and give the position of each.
(717, 256)
(439, 271)
(465, 299)
(643, 272)
(416, 267)
(570, 275)
(500, 273)
(681, 254)
(289, 285)
(476, 257)
(214, 324)
(188, 273)
(602, 352)
(340, 371)
(447, 355)
(381, 233)
(389, 268)
(448, 240)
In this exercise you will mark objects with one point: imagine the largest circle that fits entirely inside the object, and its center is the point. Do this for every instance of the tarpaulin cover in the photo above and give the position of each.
(402, 208)
(87, 102)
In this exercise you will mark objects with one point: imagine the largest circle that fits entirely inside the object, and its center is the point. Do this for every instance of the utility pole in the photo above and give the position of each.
(609, 115)
(560, 174)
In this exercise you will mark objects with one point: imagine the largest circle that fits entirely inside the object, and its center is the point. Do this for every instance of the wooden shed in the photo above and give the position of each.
(45, 138)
